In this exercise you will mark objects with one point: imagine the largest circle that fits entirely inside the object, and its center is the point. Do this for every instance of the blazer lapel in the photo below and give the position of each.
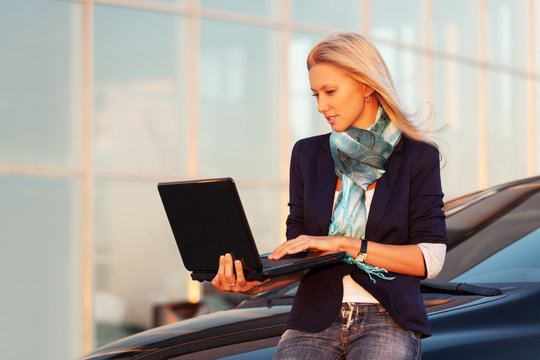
(383, 190)
(326, 186)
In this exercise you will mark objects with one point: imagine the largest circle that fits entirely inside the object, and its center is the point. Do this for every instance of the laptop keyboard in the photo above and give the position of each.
(288, 259)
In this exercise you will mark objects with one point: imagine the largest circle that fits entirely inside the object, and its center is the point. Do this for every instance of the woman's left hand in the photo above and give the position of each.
(402, 259)
(315, 243)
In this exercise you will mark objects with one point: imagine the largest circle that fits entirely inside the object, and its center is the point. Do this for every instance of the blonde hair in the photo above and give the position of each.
(362, 60)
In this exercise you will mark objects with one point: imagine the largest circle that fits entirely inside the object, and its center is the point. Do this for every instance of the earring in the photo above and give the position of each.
(367, 99)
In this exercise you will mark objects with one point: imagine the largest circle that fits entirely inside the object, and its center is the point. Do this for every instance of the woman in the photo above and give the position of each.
(376, 163)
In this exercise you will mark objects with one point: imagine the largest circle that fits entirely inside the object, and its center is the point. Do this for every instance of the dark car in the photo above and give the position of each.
(483, 305)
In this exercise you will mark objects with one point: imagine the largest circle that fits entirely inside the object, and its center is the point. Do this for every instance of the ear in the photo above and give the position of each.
(365, 90)
(368, 91)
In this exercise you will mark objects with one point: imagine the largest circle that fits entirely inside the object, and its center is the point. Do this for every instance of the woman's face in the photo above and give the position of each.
(341, 98)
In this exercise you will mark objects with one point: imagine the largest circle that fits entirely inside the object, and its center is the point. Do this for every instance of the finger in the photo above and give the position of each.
(228, 266)
(282, 249)
(301, 244)
(222, 272)
(221, 269)
(240, 278)
(293, 247)
(277, 251)
(229, 272)
(217, 283)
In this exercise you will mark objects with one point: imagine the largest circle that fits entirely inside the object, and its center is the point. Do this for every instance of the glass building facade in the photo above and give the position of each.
(102, 99)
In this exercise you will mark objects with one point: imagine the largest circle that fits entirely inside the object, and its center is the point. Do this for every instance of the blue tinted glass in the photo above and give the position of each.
(133, 245)
(305, 120)
(40, 267)
(40, 90)
(239, 101)
(537, 156)
(341, 14)
(507, 126)
(397, 20)
(177, 2)
(406, 68)
(455, 27)
(456, 110)
(252, 7)
(141, 88)
(537, 31)
(505, 25)
(517, 262)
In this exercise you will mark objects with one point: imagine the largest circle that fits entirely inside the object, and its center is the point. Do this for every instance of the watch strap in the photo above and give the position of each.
(362, 254)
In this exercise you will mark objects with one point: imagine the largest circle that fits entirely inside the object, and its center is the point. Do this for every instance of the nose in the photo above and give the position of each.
(322, 106)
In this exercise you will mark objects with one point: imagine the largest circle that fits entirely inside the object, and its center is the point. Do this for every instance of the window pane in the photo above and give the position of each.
(507, 32)
(536, 30)
(177, 2)
(456, 119)
(40, 96)
(40, 268)
(305, 120)
(507, 127)
(406, 68)
(239, 129)
(537, 123)
(397, 20)
(455, 27)
(340, 14)
(137, 262)
(266, 210)
(252, 7)
(141, 91)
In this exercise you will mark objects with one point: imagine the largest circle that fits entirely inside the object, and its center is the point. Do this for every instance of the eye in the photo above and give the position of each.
(316, 95)
(330, 92)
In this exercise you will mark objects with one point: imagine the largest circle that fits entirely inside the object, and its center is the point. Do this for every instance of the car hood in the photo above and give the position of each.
(218, 328)
(265, 317)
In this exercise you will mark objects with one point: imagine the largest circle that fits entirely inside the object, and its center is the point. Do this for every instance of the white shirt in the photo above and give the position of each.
(433, 256)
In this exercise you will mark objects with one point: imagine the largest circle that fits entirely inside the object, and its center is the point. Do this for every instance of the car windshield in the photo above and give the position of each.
(496, 239)
(517, 262)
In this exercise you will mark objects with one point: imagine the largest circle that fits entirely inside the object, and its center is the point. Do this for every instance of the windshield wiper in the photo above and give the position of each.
(455, 288)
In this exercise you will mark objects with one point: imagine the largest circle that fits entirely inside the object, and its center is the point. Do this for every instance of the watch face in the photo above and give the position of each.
(361, 257)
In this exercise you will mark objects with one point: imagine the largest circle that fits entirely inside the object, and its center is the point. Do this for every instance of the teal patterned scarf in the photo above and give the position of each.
(359, 157)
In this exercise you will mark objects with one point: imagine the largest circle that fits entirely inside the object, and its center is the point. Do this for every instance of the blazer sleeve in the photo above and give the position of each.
(295, 220)
(426, 217)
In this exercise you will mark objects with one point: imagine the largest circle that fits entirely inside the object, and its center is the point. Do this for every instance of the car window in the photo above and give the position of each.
(516, 263)
(499, 222)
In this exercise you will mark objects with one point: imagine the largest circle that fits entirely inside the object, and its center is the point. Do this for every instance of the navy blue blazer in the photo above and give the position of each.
(406, 209)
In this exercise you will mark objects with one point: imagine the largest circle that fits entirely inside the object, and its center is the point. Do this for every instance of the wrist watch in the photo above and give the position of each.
(362, 254)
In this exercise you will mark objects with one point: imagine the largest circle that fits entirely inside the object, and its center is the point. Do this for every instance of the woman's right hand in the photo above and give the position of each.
(225, 279)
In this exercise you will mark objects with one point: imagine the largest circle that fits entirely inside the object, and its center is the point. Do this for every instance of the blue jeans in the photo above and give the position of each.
(361, 331)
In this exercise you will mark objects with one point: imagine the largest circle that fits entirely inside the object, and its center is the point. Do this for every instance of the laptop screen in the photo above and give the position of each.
(208, 220)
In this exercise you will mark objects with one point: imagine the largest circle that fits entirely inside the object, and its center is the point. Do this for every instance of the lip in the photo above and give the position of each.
(331, 119)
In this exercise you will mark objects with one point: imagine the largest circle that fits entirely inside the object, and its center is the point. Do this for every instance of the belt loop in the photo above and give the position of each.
(348, 312)
(344, 310)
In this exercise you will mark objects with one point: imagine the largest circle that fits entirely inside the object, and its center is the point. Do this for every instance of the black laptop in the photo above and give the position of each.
(208, 220)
